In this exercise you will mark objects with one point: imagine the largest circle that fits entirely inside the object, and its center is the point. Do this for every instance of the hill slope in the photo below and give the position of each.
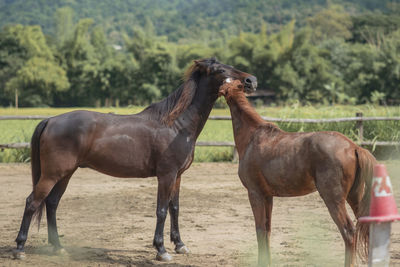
(178, 19)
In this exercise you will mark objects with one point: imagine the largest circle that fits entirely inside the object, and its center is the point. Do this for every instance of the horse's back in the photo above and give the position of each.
(70, 125)
(118, 145)
(302, 146)
(330, 142)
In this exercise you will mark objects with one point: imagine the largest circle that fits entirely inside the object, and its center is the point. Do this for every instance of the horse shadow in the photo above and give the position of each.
(85, 254)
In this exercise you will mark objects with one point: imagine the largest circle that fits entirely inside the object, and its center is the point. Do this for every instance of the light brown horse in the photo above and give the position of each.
(158, 141)
(275, 163)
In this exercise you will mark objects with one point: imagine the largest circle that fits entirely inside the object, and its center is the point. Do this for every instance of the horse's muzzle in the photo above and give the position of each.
(250, 84)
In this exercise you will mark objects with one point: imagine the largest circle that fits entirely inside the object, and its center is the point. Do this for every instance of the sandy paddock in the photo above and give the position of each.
(105, 221)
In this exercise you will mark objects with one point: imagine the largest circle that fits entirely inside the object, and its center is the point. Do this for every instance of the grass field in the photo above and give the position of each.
(21, 130)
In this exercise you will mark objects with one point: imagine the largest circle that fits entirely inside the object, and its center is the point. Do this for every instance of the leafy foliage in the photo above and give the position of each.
(38, 79)
(102, 53)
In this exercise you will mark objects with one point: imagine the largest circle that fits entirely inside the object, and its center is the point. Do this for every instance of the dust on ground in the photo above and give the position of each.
(106, 221)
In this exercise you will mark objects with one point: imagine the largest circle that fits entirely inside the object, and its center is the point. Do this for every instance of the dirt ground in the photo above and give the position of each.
(105, 221)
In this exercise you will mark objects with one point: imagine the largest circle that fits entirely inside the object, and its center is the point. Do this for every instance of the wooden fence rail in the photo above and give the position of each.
(31, 117)
(359, 119)
(215, 143)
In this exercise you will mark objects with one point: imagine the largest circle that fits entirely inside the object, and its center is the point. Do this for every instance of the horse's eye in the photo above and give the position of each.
(221, 71)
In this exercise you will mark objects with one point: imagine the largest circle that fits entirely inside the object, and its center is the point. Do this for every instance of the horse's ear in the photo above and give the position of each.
(203, 65)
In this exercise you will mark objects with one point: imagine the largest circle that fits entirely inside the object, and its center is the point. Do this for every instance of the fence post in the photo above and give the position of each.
(360, 127)
(235, 155)
(16, 98)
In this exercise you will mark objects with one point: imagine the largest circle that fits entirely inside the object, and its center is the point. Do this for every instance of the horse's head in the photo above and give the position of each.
(232, 88)
(217, 74)
(202, 82)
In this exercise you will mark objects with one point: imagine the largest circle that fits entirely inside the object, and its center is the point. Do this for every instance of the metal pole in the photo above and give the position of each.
(379, 243)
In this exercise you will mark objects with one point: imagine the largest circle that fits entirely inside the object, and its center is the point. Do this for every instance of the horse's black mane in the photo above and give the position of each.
(157, 111)
(168, 109)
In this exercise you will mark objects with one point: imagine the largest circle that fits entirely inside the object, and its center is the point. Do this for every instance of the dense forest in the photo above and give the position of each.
(92, 53)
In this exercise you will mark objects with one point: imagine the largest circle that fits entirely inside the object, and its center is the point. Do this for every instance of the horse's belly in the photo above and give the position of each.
(124, 157)
(273, 182)
(290, 185)
(288, 174)
(118, 169)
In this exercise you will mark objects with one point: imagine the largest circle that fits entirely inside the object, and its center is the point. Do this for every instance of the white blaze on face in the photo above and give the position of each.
(228, 80)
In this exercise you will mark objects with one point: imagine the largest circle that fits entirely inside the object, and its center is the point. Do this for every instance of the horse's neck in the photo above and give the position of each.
(245, 120)
(195, 116)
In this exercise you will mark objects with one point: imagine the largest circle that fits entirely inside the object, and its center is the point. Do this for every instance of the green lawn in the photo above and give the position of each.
(21, 130)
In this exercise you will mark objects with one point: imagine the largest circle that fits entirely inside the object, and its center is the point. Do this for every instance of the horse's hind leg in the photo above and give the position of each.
(346, 228)
(180, 247)
(334, 199)
(33, 202)
(52, 201)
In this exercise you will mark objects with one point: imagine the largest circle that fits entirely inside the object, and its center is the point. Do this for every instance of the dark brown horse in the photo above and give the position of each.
(158, 141)
(277, 163)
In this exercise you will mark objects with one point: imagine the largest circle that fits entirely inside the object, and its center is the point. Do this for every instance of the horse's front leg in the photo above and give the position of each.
(165, 188)
(262, 208)
(180, 247)
(268, 214)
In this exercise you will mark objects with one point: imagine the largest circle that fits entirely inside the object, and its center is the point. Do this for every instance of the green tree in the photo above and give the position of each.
(302, 72)
(372, 27)
(12, 57)
(27, 64)
(158, 73)
(79, 57)
(330, 23)
(37, 81)
(64, 24)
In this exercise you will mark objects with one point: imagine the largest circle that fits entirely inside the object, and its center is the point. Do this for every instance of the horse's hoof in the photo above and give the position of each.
(60, 252)
(18, 255)
(164, 257)
(182, 250)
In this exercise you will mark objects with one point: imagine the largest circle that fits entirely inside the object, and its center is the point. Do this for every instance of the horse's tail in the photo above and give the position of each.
(35, 164)
(362, 181)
